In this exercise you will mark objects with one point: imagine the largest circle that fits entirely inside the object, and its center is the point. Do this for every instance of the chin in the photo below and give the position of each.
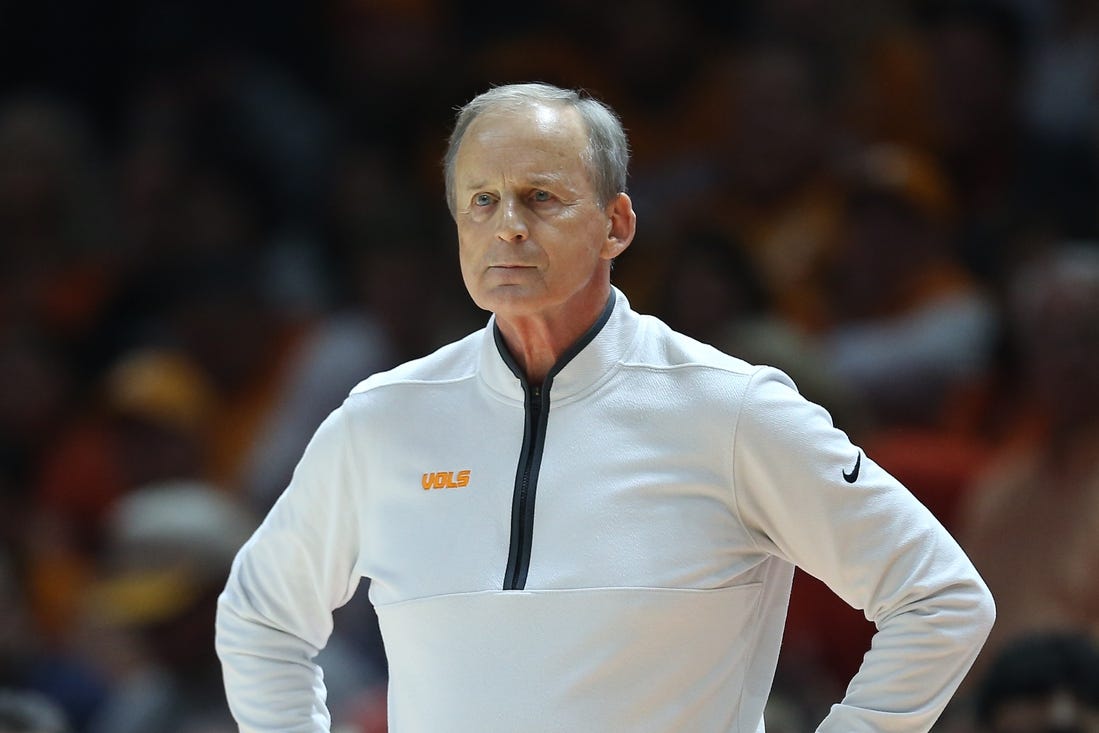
(510, 300)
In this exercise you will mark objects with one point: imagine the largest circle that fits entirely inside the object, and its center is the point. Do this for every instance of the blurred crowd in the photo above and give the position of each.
(216, 218)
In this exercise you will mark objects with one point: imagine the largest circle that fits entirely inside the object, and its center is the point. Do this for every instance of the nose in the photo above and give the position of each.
(510, 226)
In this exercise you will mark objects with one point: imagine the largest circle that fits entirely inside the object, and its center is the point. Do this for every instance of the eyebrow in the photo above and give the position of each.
(546, 178)
(541, 179)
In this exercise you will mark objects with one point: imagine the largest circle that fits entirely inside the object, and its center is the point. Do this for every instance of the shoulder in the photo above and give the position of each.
(701, 377)
(758, 391)
(661, 347)
(454, 362)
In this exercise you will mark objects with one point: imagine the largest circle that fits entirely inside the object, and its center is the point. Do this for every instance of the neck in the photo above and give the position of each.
(537, 342)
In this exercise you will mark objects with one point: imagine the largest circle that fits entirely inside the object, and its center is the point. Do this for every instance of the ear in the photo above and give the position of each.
(621, 225)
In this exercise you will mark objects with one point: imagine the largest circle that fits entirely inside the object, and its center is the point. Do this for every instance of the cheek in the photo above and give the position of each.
(467, 264)
(588, 241)
(573, 264)
(467, 240)
(465, 253)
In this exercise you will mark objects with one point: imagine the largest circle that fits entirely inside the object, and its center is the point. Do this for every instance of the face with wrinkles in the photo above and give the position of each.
(533, 237)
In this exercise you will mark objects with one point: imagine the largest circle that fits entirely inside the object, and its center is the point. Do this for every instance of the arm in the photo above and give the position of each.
(874, 544)
(275, 613)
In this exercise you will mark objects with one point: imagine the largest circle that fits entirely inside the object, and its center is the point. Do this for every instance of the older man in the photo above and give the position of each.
(577, 519)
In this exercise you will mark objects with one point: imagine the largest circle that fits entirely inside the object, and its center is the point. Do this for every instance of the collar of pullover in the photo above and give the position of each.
(586, 362)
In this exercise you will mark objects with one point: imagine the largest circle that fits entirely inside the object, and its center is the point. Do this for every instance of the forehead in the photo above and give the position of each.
(537, 138)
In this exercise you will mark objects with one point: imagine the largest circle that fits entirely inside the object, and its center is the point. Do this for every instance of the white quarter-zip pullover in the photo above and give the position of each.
(611, 550)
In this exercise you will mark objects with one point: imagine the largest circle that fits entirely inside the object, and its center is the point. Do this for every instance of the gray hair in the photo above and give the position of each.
(607, 156)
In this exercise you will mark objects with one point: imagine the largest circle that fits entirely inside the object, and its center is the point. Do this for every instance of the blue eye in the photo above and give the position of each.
(541, 195)
(482, 199)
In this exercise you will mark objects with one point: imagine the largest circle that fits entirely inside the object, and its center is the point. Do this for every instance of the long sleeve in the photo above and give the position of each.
(275, 613)
(808, 495)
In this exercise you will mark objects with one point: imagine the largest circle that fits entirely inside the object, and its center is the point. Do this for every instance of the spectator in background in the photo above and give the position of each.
(54, 219)
(1031, 521)
(909, 322)
(36, 386)
(1016, 188)
(32, 665)
(146, 421)
(1042, 683)
(761, 115)
(1061, 84)
(28, 712)
(167, 552)
(218, 311)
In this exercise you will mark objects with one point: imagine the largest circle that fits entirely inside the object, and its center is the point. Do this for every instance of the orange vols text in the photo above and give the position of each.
(445, 480)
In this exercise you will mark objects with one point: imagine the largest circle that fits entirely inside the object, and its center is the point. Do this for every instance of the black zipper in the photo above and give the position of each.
(526, 484)
(536, 413)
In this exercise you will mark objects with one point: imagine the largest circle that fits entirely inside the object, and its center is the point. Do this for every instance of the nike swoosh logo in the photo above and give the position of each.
(851, 477)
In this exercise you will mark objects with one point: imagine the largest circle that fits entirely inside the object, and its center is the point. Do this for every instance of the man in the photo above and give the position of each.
(577, 519)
